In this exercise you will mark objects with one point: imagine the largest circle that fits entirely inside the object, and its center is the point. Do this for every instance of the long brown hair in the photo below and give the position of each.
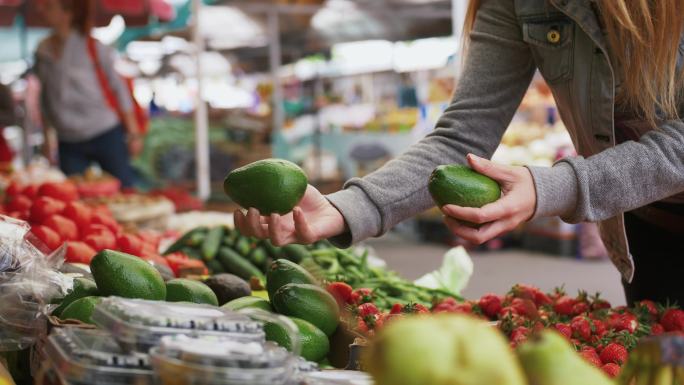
(644, 38)
(82, 14)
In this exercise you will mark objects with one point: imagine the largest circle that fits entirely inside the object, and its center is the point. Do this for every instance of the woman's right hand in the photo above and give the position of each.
(313, 219)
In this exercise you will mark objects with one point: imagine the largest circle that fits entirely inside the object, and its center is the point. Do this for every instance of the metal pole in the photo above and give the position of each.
(275, 60)
(201, 113)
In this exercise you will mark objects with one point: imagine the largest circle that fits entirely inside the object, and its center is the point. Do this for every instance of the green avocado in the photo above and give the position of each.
(124, 275)
(460, 185)
(269, 185)
(187, 290)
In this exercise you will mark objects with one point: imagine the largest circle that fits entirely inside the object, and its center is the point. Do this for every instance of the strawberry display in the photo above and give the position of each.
(602, 335)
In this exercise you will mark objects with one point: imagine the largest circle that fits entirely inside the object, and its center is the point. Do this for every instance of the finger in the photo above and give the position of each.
(254, 222)
(275, 230)
(493, 170)
(240, 222)
(481, 234)
(304, 232)
(487, 213)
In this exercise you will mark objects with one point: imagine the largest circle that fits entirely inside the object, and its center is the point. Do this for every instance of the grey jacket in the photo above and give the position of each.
(511, 39)
(71, 96)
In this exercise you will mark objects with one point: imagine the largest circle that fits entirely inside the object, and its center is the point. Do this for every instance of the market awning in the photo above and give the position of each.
(134, 12)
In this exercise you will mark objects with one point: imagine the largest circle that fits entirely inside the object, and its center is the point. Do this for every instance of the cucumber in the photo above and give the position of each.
(185, 240)
(211, 243)
(273, 251)
(215, 267)
(234, 263)
(192, 253)
(242, 245)
(295, 253)
(258, 256)
(230, 237)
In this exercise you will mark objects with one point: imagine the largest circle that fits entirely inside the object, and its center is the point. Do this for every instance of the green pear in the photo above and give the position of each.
(549, 359)
(444, 349)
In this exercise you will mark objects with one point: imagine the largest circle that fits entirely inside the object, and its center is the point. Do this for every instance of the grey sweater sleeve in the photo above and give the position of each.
(633, 174)
(115, 81)
(497, 72)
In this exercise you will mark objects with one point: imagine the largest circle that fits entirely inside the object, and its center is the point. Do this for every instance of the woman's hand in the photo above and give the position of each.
(515, 206)
(312, 220)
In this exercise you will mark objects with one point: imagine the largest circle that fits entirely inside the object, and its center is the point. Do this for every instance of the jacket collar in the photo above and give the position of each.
(585, 14)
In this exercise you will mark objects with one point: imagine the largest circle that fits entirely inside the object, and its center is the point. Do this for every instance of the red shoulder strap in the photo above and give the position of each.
(107, 91)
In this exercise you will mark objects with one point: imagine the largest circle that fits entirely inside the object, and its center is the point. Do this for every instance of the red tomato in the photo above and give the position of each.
(156, 259)
(66, 228)
(63, 191)
(130, 243)
(48, 236)
(94, 228)
(31, 191)
(150, 237)
(104, 240)
(102, 219)
(45, 207)
(79, 213)
(79, 252)
(19, 203)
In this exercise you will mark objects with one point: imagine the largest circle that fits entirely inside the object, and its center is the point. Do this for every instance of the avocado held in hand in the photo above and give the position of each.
(460, 185)
(269, 185)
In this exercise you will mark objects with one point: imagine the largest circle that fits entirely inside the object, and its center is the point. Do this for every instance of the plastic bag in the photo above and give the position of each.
(28, 282)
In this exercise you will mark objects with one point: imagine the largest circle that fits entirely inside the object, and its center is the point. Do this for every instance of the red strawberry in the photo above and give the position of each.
(490, 304)
(598, 303)
(361, 295)
(14, 188)
(657, 329)
(519, 335)
(611, 369)
(366, 309)
(673, 320)
(598, 327)
(101, 241)
(648, 306)
(107, 220)
(564, 305)
(564, 329)
(614, 353)
(580, 308)
(581, 328)
(524, 291)
(524, 307)
(397, 308)
(540, 298)
(625, 321)
(361, 326)
(507, 311)
(591, 356)
(340, 290)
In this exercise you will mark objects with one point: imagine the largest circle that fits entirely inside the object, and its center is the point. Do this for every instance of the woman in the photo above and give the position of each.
(614, 67)
(76, 74)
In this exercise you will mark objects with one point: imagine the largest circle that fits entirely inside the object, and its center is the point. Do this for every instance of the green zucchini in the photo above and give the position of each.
(234, 263)
(184, 240)
(211, 243)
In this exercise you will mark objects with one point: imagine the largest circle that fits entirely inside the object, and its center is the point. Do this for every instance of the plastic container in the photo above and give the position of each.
(139, 324)
(86, 356)
(216, 361)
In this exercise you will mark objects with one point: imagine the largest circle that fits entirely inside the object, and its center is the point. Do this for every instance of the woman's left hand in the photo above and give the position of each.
(516, 205)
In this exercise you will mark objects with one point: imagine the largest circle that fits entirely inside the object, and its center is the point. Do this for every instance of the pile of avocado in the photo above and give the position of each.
(294, 292)
(124, 275)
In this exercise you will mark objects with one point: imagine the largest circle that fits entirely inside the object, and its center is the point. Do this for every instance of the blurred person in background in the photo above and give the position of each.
(83, 98)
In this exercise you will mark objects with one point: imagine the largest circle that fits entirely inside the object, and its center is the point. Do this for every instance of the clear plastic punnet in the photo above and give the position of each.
(140, 324)
(29, 281)
(218, 361)
(86, 356)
